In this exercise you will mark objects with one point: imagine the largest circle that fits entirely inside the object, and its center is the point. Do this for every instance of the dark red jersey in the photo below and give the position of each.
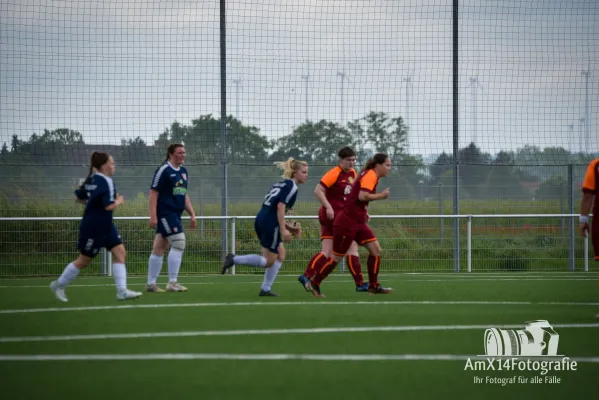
(337, 184)
(356, 209)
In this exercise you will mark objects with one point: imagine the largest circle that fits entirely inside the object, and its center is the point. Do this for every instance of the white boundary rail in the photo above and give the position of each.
(107, 262)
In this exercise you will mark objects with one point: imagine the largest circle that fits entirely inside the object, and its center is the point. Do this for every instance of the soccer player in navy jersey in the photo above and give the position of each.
(271, 227)
(168, 199)
(96, 229)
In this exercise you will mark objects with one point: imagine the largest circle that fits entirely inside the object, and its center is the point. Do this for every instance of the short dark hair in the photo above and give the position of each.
(346, 152)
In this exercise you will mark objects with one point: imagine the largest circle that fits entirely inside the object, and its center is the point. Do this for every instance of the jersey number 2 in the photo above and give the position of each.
(273, 193)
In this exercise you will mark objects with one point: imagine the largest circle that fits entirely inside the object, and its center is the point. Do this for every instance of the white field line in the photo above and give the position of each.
(315, 302)
(248, 332)
(450, 275)
(269, 357)
(227, 282)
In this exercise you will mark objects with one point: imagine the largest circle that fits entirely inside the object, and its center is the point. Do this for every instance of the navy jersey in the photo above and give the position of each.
(100, 192)
(281, 192)
(266, 224)
(171, 185)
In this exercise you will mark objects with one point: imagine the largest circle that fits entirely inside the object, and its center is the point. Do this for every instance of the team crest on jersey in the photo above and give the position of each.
(175, 229)
(350, 179)
(184, 176)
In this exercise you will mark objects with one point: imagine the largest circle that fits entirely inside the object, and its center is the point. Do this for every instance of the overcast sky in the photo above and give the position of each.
(131, 68)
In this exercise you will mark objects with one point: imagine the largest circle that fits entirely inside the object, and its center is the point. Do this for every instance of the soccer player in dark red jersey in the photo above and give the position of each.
(351, 225)
(331, 192)
(590, 187)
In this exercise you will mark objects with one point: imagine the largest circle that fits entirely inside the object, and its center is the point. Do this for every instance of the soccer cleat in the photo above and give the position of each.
(316, 290)
(378, 289)
(153, 288)
(228, 263)
(127, 295)
(362, 288)
(58, 292)
(305, 282)
(264, 293)
(175, 287)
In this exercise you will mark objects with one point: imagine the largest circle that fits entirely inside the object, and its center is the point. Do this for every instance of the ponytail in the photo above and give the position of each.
(378, 158)
(290, 166)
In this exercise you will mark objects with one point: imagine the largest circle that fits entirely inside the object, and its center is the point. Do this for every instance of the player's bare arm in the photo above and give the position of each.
(365, 196)
(190, 211)
(117, 202)
(152, 208)
(586, 203)
(281, 209)
(320, 194)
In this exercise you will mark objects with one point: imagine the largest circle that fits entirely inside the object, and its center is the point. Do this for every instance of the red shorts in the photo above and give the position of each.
(326, 225)
(346, 230)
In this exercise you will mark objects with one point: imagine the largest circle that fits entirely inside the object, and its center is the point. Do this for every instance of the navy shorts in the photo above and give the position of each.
(268, 233)
(91, 241)
(169, 225)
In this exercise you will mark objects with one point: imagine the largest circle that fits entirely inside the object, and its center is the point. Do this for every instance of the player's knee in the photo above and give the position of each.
(271, 259)
(119, 254)
(177, 241)
(82, 262)
(375, 251)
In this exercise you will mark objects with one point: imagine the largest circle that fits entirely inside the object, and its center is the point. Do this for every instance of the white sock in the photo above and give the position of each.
(154, 267)
(120, 276)
(174, 263)
(253, 260)
(270, 275)
(70, 272)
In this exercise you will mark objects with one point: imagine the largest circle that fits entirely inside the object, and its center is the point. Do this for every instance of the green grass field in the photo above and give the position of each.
(221, 341)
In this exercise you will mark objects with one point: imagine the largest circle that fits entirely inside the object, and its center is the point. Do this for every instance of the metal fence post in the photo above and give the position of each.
(469, 241)
(103, 263)
(442, 220)
(233, 241)
(572, 256)
(586, 253)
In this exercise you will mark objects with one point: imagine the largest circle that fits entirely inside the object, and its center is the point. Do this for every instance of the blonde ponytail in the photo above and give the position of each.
(290, 166)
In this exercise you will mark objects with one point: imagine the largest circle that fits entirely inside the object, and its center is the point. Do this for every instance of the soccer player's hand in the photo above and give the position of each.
(584, 228)
(297, 230)
(330, 213)
(153, 222)
(119, 199)
(385, 193)
(192, 222)
(286, 235)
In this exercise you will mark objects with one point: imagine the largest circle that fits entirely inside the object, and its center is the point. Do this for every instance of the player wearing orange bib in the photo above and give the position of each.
(590, 188)
(332, 191)
(351, 225)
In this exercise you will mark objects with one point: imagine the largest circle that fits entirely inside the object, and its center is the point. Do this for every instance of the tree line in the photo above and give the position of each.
(314, 141)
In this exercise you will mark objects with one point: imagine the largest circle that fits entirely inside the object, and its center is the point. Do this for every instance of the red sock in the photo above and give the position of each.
(310, 269)
(355, 269)
(374, 264)
(324, 266)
